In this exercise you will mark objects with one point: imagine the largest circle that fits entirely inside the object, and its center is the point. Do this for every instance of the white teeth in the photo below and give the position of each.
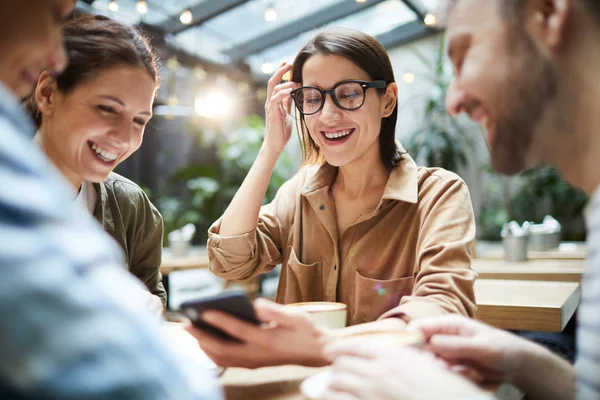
(338, 134)
(105, 155)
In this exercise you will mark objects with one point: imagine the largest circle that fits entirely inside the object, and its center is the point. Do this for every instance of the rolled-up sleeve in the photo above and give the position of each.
(145, 260)
(444, 280)
(259, 251)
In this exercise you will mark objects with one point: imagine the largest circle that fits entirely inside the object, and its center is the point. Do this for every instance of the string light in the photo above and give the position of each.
(267, 68)
(270, 13)
(215, 104)
(142, 7)
(261, 94)
(113, 6)
(430, 20)
(199, 73)
(186, 17)
(409, 77)
(243, 87)
(173, 64)
(173, 101)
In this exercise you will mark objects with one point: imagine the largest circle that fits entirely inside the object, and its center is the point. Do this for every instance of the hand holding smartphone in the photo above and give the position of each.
(235, 303)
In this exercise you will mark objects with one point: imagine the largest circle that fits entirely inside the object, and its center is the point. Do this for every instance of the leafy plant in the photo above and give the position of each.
(212, 187)
(439, 141)
(541, 191)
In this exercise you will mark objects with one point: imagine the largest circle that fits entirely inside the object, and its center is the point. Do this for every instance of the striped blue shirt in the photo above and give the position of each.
(588, 333)
(72, 325)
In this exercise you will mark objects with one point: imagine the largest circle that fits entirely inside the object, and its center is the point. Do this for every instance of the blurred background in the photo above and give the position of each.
(209, 114)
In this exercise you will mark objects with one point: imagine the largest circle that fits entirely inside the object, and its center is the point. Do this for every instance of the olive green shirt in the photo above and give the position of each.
(127, 214)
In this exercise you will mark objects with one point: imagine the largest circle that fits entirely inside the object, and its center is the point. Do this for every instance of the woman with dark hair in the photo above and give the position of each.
(91, 117)
(360, 223)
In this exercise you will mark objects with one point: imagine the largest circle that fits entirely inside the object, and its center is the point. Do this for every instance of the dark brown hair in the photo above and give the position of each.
(369, 55)
(94, 43)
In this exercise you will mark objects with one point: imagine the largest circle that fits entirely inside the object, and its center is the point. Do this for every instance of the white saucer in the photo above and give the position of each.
(315, 386)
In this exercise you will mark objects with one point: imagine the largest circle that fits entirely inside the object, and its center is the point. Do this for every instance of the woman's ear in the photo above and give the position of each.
(390, 99)
(45, 93)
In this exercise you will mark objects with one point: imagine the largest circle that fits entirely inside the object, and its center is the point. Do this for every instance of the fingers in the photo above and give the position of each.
(216, 349)
(279, 97)
(468, 372)
(276, 78)
(351, 385)
(267, 311)
(448, 325)
(233, 326)
(363, 348)
(458, 348)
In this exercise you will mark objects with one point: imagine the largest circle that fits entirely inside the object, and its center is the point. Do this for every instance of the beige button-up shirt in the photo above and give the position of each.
(410, 257)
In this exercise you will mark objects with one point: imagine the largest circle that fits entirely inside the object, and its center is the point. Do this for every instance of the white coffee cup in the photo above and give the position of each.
(324, 314)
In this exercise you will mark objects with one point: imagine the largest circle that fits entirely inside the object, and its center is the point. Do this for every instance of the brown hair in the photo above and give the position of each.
(368, 54)
(94, 43)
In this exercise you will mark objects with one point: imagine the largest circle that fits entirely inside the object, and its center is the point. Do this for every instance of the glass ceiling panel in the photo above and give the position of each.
(374, 21)
(158, 10)
(247, 21)
(211, 39)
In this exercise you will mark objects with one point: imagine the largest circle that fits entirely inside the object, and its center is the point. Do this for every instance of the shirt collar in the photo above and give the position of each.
(402, 185)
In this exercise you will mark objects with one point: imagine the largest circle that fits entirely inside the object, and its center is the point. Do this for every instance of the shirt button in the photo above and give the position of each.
(322, 207)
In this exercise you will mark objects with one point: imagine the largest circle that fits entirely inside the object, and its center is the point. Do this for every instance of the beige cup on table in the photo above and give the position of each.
(324, 314)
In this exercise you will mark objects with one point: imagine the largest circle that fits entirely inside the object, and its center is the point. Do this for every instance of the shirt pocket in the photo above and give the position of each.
(373, 297)
(303, 282)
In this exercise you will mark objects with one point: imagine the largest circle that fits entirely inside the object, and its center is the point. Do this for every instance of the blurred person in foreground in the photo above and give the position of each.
(73, 324)
(526, 71)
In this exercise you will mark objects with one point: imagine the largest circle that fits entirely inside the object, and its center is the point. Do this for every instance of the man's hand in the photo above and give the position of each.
(385, 325)
(286, 337)
(495, 355)
(365, 369)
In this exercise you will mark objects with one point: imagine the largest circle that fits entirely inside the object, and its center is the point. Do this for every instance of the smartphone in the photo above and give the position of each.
(235, 303)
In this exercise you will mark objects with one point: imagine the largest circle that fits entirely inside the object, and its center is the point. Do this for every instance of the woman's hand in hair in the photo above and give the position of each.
(278, 110)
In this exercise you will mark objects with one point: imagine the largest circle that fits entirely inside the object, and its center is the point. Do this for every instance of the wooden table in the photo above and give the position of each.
(533, 270)
(526, 305)
(196, 259)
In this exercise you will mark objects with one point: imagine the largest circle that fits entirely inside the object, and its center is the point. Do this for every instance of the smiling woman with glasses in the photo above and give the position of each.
(359, 224)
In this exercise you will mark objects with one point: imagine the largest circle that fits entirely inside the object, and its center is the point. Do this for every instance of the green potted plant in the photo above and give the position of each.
(212, 187)
(439, 140)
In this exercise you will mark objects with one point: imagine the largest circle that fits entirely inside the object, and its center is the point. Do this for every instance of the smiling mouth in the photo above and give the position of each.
(102, 154)
(337, 136)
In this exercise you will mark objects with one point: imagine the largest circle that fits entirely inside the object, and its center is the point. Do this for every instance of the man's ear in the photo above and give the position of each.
(45, 93)
(390, 99)
(546, 22)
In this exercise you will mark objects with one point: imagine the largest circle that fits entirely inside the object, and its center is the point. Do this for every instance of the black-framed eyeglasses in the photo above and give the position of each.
(348, 95)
